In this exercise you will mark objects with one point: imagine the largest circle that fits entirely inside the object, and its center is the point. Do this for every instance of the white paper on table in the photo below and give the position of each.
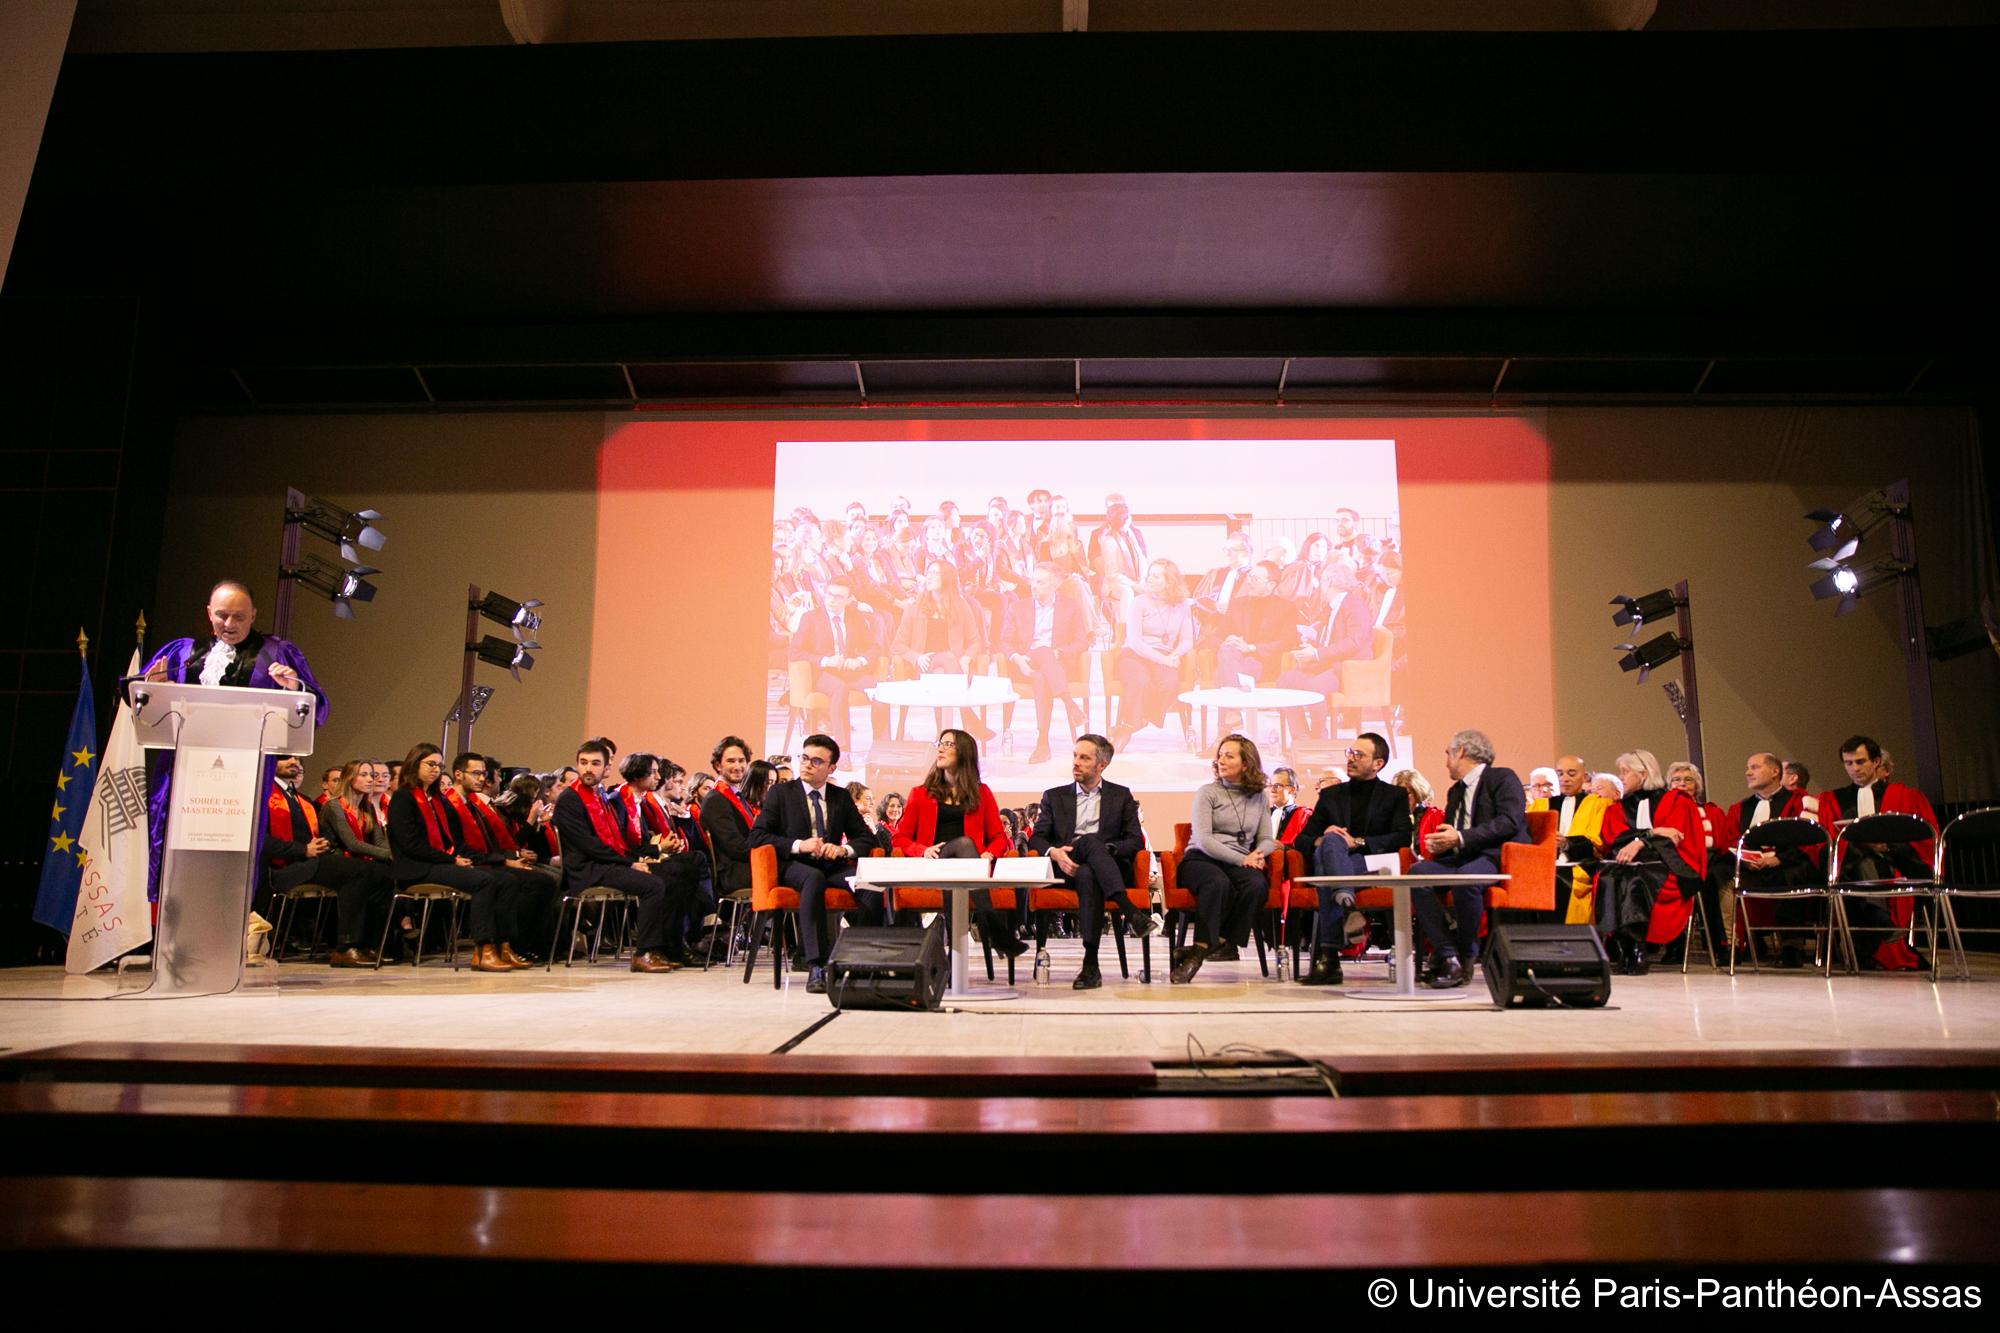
(1384, 863)
(1246, 682)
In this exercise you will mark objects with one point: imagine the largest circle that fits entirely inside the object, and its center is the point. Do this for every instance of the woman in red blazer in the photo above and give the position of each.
(952, 813)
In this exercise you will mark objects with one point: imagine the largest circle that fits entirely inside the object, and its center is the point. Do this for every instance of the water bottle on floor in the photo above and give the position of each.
(1041, 967)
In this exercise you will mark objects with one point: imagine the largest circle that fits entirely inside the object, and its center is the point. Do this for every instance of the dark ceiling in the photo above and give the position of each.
(1098, 216)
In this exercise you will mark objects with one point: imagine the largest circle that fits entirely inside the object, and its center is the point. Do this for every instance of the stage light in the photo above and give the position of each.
(1643, 610)
(1642, 658)
(1966, 635)
(1850, 583)
(517, 616)
(500, 652)
(1850, 525)
(348, 529)
(339, 586)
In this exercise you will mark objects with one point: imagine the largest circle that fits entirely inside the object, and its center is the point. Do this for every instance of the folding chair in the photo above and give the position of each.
(1878, 829)
(1982, 826)
(1775, 835)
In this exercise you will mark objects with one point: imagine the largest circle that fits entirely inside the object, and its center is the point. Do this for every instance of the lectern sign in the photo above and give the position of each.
(215, 800)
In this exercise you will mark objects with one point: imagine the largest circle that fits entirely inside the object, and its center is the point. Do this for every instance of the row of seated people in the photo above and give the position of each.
(1631, 865)
(514, 857)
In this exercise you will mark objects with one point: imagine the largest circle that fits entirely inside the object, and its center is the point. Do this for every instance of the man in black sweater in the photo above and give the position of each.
(1353, 820)
(594, 852)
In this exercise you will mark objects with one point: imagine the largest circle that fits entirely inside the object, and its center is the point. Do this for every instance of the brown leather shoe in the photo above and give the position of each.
(486, 958)
(512, 959)
(654, 962)
(351, 956)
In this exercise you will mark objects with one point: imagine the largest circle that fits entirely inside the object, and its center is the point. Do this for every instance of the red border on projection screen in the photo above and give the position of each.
(683, 568)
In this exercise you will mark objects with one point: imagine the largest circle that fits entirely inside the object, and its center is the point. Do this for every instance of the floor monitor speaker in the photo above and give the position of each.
(1541, 965)
(888, 967)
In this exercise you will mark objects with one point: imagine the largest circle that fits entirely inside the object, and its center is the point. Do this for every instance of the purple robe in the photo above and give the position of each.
(183, 660)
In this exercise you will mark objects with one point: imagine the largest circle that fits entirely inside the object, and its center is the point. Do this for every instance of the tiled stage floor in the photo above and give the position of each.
(610, 1009)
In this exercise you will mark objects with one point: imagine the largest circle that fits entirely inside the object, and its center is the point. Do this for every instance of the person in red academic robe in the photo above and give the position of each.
(1656, 858)
(1878, 930)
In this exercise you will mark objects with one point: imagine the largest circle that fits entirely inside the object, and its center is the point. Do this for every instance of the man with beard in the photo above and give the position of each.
(1351, 821)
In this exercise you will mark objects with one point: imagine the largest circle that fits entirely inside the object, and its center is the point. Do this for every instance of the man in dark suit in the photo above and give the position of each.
(595, 851)
(1352, 820)
(1089, 829)
(840, 643)
(1043, 634)
(1486, 808)
(818, 833)
(1344, 628)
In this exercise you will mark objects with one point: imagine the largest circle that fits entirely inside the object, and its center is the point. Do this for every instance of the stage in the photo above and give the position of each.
(609, 1009)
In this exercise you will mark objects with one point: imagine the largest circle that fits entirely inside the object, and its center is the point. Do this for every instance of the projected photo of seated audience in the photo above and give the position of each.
(1184, 593)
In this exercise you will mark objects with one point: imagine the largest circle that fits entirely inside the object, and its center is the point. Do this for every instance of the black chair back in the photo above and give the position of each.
(1775, 834)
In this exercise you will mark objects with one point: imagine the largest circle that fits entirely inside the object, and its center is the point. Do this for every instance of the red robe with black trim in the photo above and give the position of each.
(1793, 805)
(1896, 799)
(1676, 810)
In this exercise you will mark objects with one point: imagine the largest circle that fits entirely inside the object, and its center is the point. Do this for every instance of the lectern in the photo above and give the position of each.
(220, 736)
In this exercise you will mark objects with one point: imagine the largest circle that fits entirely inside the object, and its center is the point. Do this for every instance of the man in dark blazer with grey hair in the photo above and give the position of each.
(1486, 808)
(1090, 830)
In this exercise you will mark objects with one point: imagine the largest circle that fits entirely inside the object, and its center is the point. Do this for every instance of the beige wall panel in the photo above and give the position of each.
(505, 501)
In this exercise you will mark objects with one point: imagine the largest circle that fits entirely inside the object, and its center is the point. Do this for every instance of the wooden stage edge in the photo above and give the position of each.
(1003, 1076)
(875, 1232)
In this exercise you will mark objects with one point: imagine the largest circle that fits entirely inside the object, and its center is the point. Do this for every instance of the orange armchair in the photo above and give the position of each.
(1532, 866)
(1042, 901)
(1277, 870)
(769, 899)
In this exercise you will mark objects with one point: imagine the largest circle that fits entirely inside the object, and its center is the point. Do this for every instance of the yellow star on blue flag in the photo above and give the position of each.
(62, 861)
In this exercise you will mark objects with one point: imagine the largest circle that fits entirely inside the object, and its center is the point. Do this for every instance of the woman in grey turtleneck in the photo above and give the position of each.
(1224, 865)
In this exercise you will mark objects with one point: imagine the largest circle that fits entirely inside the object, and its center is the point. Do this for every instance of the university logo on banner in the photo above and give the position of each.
(112, 914)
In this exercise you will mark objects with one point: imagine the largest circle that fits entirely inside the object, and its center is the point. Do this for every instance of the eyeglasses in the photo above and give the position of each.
(813, 761)
(1361, 754)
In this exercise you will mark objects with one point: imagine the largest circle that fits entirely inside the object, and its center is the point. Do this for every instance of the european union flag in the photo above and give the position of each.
(62, 861)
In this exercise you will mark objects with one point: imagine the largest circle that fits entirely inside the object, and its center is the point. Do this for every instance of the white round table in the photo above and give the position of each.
(1406, 969)
(950, 689)
(1249, 701)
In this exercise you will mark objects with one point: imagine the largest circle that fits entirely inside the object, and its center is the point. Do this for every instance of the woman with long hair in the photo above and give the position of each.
(527, 805)
(941, 633)
(953, 814)
(1653, 846)
(891, 812)
(1225, 860)
(423, 853)
(357, 815)
(758, 782)
(1159, 633)
(1300, 580)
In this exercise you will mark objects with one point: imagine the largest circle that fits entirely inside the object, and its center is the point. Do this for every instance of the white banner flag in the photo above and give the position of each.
(112, 914)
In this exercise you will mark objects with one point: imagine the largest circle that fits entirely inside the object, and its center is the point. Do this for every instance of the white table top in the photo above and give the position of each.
(1268, 696)
(1380, 881)
(945, 690)
(961, 872)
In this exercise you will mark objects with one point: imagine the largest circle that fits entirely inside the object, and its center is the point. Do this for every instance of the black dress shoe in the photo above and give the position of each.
(1088, 979)
(816, 981)
(1182, 954)
(1184, 971)
(1013, 946)
(1142, 924)
(1325, 972)
(1224, 954)
(1452, 977)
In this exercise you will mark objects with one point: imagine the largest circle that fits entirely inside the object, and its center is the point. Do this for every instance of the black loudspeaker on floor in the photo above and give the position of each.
(888, 967)
(1535, 966)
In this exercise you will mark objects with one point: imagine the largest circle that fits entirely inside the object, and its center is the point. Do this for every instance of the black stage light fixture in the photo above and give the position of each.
(1966, 635)
(517, 616)
(339, 586)
(505, 653)
(1850, 583)
(1642, 658)
(1644, 610)
(1850, 525)
(347, 528)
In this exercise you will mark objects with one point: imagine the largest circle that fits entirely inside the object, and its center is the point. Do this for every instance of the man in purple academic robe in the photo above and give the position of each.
(234, 654)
